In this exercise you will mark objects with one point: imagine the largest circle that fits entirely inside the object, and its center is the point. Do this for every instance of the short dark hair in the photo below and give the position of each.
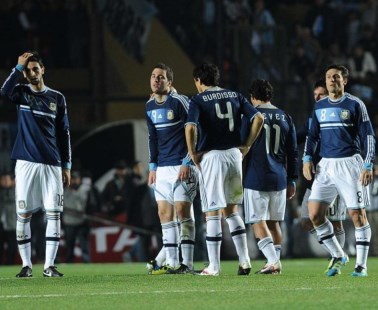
(167, 69)
(35, 57)
(344, 70)
(207, 73)
(261, 90)
(320, 83)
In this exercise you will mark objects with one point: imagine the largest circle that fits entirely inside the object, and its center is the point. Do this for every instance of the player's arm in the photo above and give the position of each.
(311, 141)
(8, 89)
(191, 138)
(292, 160)
(153, 151)
(254, 131)
(366, 135)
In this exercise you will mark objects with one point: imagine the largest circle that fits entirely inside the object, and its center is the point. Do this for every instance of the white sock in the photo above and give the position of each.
(340, 236)
(277, 247)
(187, 236)
(170, 239)
(160, 258)
(326, 235)
(213, 241)
(52, 237)
(363, 236)
(23, 235)
(239, 236)
(267, 248)
(313, 233)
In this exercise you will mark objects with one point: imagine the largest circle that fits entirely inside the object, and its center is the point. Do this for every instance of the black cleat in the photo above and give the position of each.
(182, 269)
(244, 269)
(26, 272)
(51, 272)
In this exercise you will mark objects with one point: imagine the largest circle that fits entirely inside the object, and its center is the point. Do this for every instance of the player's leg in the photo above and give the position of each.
(336, 214)
(233, 189)
(28, 200)
(52, 193)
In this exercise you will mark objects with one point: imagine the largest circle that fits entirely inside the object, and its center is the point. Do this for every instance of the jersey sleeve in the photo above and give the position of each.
(248, 109)
(193, 112)
(9, 88)
(152, 141)
(366, 134)
(63, 133)
(313, 136)
(292, 152)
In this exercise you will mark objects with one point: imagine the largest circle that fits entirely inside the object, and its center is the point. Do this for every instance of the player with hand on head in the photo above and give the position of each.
(215, 118)
(171, 173)
(42, 151)
(341, 126)
(270, 174)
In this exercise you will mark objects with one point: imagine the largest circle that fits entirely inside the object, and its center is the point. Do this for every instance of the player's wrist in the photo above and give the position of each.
(20, 67)
(152, 166)
(368, 166)
(307, 159)
(186, 162)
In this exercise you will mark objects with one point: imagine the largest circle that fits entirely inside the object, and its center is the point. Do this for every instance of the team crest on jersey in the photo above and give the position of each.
(345, 114)
(52, 106)
(21, 204)
(170, 114)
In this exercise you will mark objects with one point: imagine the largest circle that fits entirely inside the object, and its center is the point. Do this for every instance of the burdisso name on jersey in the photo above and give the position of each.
(221, 95)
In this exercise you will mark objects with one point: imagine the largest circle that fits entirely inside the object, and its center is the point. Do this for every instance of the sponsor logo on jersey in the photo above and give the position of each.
(213, 204)
(170, 114)
(345, 114)
(21, 204)
(52, 106)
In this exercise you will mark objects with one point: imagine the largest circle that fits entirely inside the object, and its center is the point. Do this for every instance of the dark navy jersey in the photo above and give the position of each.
(218, 114)
(165, 122)
(342, 127)
(43, 130)
(272, 161)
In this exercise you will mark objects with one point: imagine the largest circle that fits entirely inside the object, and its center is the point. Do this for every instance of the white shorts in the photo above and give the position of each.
(38, 186)
(264, 206)
(220, 179)
(168, 188)
(340, 176)
(335, 212)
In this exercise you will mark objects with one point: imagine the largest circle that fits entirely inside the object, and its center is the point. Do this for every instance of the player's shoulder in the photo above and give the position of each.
(54, 91)
(180, 97)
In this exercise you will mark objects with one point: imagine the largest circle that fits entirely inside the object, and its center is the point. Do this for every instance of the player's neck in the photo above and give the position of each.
(337, 95)
(39, 87)
(160, 98)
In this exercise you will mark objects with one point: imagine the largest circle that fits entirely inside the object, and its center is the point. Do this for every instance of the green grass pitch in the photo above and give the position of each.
(302, 285)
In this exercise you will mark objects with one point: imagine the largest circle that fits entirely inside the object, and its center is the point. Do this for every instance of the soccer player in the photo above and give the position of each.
(42, 151)
(341, 124)
(215, 117)
(337, 211)
(170, 170)
(271, 172)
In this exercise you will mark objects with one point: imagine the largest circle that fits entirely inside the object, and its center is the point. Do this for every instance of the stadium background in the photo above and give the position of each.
(99, 53)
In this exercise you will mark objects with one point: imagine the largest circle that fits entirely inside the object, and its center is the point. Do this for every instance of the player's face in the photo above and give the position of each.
(319, 93)
(159, 82)
(335, 81)
(34, 73)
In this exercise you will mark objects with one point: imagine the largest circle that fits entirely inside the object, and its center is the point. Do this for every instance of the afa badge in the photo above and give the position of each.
(21, 204)
(345, 114)
(170, 115)
(52, 106)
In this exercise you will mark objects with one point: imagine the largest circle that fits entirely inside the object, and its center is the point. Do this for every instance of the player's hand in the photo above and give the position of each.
(308, 170)
(184, 173)
(290, 191)
(23, 58)
(244, 149)
(152, 177)
(366, 177)
(196, 158)
(66, 175)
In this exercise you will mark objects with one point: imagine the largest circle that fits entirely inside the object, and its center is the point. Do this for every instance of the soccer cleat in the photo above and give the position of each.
(207, 272)
(331, 263)
(359, 271)
(26, 272)
(244, 269)
(182, 269)
(337, 264)
(271, 268)
(51, 272)
(162, 270)
(152, 265)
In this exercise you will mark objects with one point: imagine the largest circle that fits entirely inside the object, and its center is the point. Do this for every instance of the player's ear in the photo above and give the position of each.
(345, 81)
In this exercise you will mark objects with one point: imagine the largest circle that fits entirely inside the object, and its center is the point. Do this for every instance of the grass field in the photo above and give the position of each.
(127, 286)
